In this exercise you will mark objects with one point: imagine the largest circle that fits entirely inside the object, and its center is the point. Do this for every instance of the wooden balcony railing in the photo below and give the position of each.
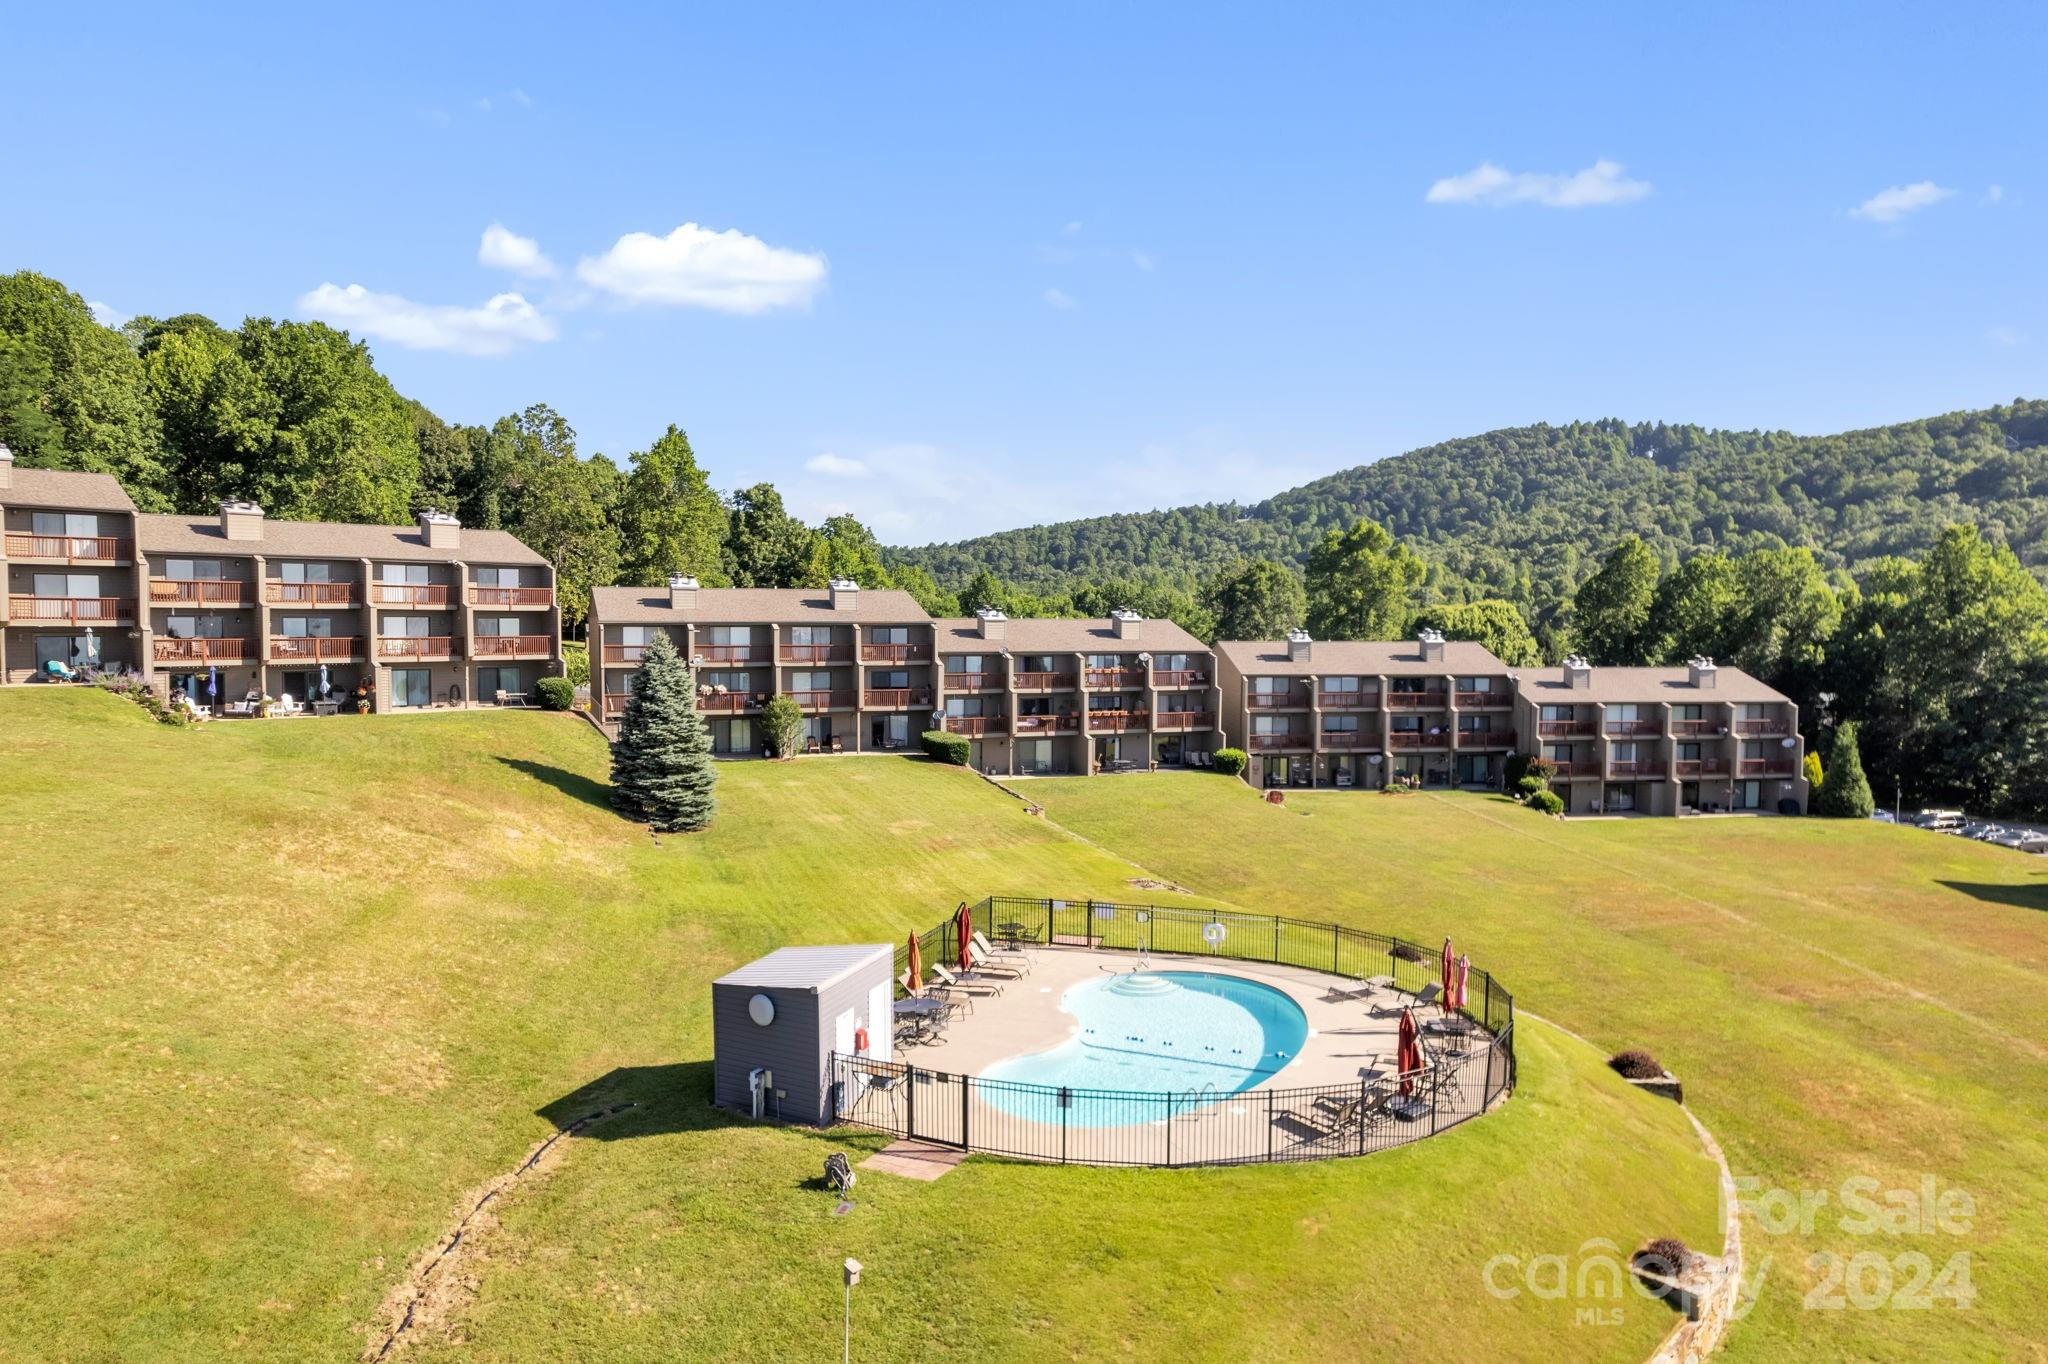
(815, 653)
(1702, 767)
(309, 594)
(1276, 700)
(1635, 727)
(1412, 738)
(628, 654)
(1350, 738)
(1486, 738)
(71, 549)
(1111, 721)
(81, 610)
(1069, 723)
(1484, 700)
(1577, 767)
(1116, 677)
(1349, 700)
(1174, 679)
(722, 653)
(1761, 727)
(1417, 700)
(896, 698)
(417, 646)
(615, 704)
(313, 648)
(1625, 770)
(513, 646)
(1699, 728)
(823, 700)
(712, 701)
(1183, 719)
(1766, 767)
(169, 650)
(1042, 681)
(515, 597)
(199, 592)
(1291, 739)
(978, 724)
(895, 653)
(974, 681)
(409, 594)
(1564, 729)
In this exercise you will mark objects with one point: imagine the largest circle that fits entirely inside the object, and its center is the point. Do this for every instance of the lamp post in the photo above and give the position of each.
(846, 1339)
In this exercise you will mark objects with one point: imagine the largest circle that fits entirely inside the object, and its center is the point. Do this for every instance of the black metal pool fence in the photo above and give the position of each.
(1466, 1076)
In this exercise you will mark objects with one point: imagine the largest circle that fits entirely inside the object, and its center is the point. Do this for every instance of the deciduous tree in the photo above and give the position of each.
(1361, 584)
(669, 519)
(1611, 613)
(1255, 599)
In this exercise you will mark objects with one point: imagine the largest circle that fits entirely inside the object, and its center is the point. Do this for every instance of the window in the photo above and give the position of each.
(1407, 724)
(413, 575)
(810, 634)
(728, 634)
(1270, 686)
(810, 681)
(195, 627)
(1619, 798)
(1034, 755)
(1411, 684)
(1557, 713)
(63, 523)
(1623, 752)
(965, 705)
(969, 663)
(636, 634)
(1624, 710)
(70, 650)
(1039, 663)
(1688, 711)
(407, 627)
(726, 678)
(497, 577)
(306, 573)
(1174, 663)
(1478, 684)
(497, 626)
(1105, 660)
(67, 584)
(1755, 710)
(1689, 753)
(740, 735)
(411, 687)
(1180, 702)
(882, 679)
(1558, 753)
(1474, 724)
(1340, 684)
(1269, 724)
(307, 627)
(193, 570)
(1340, 724)
(1114, 702)
(888, 634)
(491, 681)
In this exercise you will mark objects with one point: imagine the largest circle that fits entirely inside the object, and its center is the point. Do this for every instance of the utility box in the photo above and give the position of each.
(775, 1023)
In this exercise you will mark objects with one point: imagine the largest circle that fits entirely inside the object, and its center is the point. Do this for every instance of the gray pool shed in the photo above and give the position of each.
(785, 1014)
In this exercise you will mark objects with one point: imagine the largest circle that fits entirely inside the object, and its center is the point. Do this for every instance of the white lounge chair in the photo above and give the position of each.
(287, 705)
(971, 983)
(1001, 956)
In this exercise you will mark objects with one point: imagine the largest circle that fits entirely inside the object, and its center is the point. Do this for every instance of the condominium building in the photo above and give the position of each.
(872, 671)
(424, 615)
(1663, 740)
(1366, 715)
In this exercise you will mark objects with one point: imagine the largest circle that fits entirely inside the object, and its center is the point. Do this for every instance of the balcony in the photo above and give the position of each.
(823, 700)
(895, 653)
(416, 648)
(721, 653)
(1276, 700)
(977, 724)
(314, 648)
(1635, 770)
(514, 598)
(1564, 729)
(409, 594)
(1693, 729)
(1415, 738)
(1271, 743)
(512, 646)
(1114, 679)
(1484, 700)
(1070, 723)
(1172, 679)
(1042, 681)
(1695, 768)
(309, 594)
(815, 653)
(974, 682)
(1766, 767)
(896, 698)
(168, 650)
(1432, 699)
(1183, 719)
(1757, 728)
(1349, 738)
(199, 592)
(1113, 721)
(1575, 768)
(1471, 739)
(615, 704)
(1349, 700)
(76, 610)
(70, 549)
(1625, 728)
(718, 701)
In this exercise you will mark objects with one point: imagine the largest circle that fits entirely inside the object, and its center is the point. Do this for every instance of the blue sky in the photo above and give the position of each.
(958, 268)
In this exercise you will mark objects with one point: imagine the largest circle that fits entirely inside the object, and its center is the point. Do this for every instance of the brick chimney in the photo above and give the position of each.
(6, 467)
(845, 594)
(241, 521)
(1299, 646)
(1432, 642)
(1578, 673)
(993, 622)
(440, 530)
(1125, 623)
(1700, 672)
(682, 592)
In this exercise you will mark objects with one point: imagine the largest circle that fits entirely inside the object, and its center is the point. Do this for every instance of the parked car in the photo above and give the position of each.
(1939, 819)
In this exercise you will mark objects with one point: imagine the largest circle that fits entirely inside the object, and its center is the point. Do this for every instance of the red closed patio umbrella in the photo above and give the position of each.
(1408, 1051)
(1464, 975)
(916, 976)
(1450, 977)
(963, 928)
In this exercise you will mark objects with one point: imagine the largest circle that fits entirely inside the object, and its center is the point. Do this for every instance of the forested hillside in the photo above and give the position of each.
(1524, 514)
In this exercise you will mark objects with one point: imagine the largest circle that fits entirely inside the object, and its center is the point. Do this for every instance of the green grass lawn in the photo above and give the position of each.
(279, 994)
(1840, 999)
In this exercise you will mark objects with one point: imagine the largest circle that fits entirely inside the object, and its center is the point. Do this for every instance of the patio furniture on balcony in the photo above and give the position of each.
(166, 649)
(1430, 699)
(1349, 700)
(823, 700)
(896, 698)
(70, 549)
(1183, 719)
(895, 653)
(1484, 700)
(416, 647)
(315, 648)
(309, 594)
(199, 592)
(1112, 721)
(512, 646)
(1111, 679)
(1564, 729)
(1068, 723)
(1277, 700)
(75, 610)
(1043, 681)
(514, 598)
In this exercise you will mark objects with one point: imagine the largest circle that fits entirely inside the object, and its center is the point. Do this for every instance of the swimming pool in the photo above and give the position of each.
(1188, 1033)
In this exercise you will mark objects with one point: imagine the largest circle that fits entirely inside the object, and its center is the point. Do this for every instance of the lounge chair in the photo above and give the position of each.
(971, 983)
(1000, 968)
(1008, 956)
(1426, 995)
(242, 709)
(515, 699)
(287, 705)
(935, 989)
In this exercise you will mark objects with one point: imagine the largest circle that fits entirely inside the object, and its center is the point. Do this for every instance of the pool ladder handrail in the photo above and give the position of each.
(1206, 1097)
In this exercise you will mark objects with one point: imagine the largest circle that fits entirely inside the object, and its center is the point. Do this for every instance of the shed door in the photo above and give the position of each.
(842, 1032)
(881, 1036)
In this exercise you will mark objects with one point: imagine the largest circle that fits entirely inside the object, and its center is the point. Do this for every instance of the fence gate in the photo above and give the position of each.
(936, 1108)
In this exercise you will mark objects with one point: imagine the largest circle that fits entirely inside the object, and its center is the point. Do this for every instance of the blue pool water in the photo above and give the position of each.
(1154, 1033)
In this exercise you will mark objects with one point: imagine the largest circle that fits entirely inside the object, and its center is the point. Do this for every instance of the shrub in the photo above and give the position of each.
(555, 693)
(1844, 793)
(1667, 1255)
(1408, 952)
(576, 659)
(1816, 775)
(1529, 786)
(1636, 1065)
(134, 689)
(1231, 761)
(948, 748)
(1547, 801)
(782, 725)
(1515, 769)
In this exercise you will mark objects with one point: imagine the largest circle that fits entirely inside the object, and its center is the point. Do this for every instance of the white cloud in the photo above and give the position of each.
(695, 267)
(521, 98)
(1143, 260)
(105, 316)
(483, 105)
(504, 249)
(2006, 336)
(504, 323)
(1060, 298)
(835, 466)
(1072, 229)
(1599, 184)
(1890, 205)
(1994, 194)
